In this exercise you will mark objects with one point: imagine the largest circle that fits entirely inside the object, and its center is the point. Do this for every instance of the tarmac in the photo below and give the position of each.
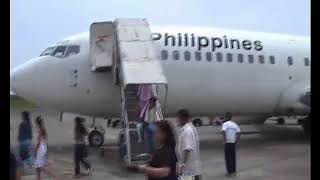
(264, 152)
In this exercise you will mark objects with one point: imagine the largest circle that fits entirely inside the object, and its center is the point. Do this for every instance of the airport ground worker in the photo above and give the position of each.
(231, 134)
(188, 148)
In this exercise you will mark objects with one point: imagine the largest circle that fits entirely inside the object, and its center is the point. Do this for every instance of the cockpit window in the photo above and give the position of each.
(72, 50)
(59, 51)
(48, 51)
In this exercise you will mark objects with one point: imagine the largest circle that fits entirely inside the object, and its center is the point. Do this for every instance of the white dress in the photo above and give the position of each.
(41, 159)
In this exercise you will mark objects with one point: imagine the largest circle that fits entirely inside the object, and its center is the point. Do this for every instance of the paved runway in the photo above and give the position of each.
(276, 152)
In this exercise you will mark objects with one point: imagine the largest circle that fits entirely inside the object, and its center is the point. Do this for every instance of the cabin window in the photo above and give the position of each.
(272, 59)
(219, 57)
(59, 51)
(164, 54)
(72, 50)
(176, 55)
(306, 62)
(187, 55)
(290, 61)
(261, 59)
(229, 57)
(209, 56)
(198, 56)
(250, 58)
(240, 58)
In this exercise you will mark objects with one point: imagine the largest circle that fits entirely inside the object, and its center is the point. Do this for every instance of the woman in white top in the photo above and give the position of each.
(41, 150)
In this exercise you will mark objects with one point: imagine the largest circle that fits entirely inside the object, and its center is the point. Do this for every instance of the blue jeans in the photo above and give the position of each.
(149, 129)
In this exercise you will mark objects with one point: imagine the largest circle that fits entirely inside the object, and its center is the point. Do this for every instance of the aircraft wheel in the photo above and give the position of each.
(197, 122)
(306, 126)
(95, 139)
(280, 121)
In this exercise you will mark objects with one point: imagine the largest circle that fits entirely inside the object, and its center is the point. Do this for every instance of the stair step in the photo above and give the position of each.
(131, 98)
(132, 110)
(131, 91)
(131, 105)
(131, 88)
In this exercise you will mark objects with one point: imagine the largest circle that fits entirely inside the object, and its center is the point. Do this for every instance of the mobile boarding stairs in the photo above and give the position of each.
(125, 49)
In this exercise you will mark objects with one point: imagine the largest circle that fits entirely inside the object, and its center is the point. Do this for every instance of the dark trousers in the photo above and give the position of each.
(80, 156)
(197, 177)
(230, 157)
(13, 167)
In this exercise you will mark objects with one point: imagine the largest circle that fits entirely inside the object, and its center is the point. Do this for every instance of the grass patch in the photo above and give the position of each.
(18, 102)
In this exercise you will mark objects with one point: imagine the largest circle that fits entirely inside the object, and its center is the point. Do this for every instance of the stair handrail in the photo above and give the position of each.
(158, 105)
(127, 125)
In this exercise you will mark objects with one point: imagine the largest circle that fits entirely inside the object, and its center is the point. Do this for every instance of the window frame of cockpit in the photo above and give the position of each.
(67, 46)
(72, 45)
(59, 46)
(54, 47)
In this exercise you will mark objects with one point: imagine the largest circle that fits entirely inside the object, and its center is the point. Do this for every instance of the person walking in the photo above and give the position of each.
(80, 148)
(163, 162)
(41, 161)
(231, 134)
(144, 93)
(25, 138)
(150, 114)
(188, 148)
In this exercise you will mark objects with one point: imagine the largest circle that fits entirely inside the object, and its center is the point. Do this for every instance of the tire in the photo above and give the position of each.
(306, 126)
(280, 121)
(197, 122)
(95, 139)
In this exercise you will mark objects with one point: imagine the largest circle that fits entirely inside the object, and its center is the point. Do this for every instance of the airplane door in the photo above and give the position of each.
(101, 45)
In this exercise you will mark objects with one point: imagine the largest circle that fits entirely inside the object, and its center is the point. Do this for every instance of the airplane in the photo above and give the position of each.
(209, 71)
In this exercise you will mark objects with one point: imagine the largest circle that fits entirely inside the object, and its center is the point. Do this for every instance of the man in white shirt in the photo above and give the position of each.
(231, 134)
(188, 151)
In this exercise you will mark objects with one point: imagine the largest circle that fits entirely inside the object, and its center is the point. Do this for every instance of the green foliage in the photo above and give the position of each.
(18, 102)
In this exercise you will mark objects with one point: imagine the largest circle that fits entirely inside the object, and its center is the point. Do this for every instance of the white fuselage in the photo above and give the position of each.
(204, 87)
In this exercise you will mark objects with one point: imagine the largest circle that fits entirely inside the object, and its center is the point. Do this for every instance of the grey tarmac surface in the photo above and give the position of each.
(273, 152)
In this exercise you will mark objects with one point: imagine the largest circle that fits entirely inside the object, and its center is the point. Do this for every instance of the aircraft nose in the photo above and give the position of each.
(12, 83)
(20, 79)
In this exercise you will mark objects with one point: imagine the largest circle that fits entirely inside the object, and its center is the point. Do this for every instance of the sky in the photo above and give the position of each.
(36, 24)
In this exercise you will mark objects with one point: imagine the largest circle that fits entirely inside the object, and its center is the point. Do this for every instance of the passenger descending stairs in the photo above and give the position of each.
(138, 64)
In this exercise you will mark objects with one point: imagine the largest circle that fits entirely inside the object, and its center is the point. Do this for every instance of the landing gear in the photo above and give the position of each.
(280, 121)
(95, 138)
(197, 122)
(306, 125)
